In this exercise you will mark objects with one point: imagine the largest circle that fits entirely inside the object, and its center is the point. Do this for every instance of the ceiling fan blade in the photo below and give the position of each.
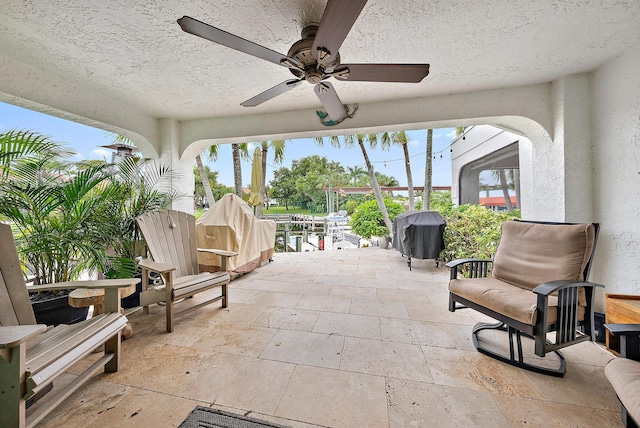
(330, 100)
(271, 93)
(338, 18)
(206, 31)
(408, 73)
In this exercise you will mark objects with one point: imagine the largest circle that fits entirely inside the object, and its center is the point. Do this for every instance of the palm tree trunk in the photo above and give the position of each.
(516, 183)
(328, 200)
(265, 149)
(237, 171)
(407, 165)
(376, 187)
(205, 182)
(428, 172)
(505, 190)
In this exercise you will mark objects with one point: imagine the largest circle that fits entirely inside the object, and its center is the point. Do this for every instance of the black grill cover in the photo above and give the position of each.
(419, 234)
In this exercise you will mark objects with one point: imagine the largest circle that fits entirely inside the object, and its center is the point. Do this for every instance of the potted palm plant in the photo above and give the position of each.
(143, 185)
(59, 213)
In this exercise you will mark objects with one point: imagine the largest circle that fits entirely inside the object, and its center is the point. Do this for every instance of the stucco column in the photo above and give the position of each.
(169, 153)
(572, 136)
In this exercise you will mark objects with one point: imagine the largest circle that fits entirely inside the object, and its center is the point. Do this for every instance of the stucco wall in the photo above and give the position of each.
(616, 178)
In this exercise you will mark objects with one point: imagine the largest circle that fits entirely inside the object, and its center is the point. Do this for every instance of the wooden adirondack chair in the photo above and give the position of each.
(32, 355)
(171, 238)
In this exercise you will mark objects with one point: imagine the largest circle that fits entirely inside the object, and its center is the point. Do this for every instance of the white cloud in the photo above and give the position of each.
(101, 154)
(451, 134)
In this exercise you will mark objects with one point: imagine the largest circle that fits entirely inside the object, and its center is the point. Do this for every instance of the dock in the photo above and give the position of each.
(303, 221)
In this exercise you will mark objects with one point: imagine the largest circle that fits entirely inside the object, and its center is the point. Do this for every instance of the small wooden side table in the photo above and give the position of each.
(620, 309)
(83, 297)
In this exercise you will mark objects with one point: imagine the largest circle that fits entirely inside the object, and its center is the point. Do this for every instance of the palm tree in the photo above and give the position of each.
(212, 154)
(373, 140)
(400, 138)
(501, 175)
(239, 151)
(428, 172)
(278, 147)
(61, 223)
(26, 145)
(355, 173)
(326, 180)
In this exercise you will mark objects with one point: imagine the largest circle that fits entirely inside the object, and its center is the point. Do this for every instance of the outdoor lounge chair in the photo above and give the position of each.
(171, 238)
(32, 355)
(624, 373)
(535, 284)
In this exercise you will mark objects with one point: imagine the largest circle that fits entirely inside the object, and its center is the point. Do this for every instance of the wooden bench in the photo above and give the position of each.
(536, 284)
(33, 355)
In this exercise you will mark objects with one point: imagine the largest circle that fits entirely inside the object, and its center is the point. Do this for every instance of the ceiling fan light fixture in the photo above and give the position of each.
(314, 76)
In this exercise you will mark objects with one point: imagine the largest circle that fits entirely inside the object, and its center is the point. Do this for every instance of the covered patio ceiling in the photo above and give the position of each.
(110, 63)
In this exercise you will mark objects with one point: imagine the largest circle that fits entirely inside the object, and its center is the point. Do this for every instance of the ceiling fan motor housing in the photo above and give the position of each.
(311, 71)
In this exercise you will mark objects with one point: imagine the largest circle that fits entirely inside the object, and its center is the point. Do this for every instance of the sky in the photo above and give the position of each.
(86, 142)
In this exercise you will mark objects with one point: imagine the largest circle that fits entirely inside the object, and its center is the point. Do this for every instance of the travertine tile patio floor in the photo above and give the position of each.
(347, 338)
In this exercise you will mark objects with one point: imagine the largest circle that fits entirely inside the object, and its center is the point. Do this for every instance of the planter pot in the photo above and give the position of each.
(56, 310)
(133, 300)
(383, 242)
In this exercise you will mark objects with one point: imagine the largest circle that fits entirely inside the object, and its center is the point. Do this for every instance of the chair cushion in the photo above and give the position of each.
(530, 254)
(510, 300)
(624, 376)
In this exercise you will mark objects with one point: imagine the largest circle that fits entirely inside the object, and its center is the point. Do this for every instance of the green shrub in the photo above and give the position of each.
(472, 231)
(367, 220)
(351, 206)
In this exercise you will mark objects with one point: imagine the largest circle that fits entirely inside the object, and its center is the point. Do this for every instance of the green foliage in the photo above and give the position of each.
(65, 216)
(472, 231)
(218, 190)
(367, 220)
(141, 185)
(442, 202)
(304, 183)
(62, 224)
(351, 206)
(286, 211)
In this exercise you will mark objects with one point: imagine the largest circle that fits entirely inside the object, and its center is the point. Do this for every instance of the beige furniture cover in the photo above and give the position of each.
(231, 225)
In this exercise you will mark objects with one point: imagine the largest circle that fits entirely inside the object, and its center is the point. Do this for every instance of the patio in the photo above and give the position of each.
(343, 338)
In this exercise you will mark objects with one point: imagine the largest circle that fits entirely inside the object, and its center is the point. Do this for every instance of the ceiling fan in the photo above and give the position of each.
(315, 57)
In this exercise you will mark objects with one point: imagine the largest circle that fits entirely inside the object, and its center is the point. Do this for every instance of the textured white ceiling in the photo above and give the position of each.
(134, 52)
